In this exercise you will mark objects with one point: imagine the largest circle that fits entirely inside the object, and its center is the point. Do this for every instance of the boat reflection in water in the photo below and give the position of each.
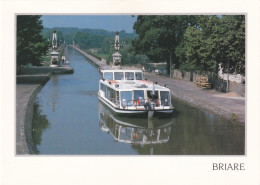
(135, 130)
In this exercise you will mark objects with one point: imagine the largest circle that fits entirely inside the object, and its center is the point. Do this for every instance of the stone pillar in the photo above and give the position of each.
(54, 40)
(117, 43)
(117, 56)
(54, 53)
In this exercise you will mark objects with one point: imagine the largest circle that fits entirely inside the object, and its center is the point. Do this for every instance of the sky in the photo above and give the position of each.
(107, 22)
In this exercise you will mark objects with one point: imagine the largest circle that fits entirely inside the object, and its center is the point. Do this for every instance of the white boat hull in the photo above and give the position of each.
(139, 112)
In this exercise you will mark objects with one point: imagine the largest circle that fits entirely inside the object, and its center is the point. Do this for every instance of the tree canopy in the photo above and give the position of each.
(30, 44)
(160, 35)
(88, 40)
(213, 41)
(231, 43)
(197, 42)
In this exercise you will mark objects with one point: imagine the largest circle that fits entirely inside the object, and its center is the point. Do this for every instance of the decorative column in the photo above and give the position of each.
(117, 56)
(54, 40)
(54, 53)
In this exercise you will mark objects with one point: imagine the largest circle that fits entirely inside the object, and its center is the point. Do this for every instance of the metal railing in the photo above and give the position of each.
(148, 105)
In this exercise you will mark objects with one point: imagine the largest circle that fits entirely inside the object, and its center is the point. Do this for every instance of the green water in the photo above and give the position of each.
(69, 119)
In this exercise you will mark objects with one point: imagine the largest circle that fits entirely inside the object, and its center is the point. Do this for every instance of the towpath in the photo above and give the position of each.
(25, 95)
(228, 105)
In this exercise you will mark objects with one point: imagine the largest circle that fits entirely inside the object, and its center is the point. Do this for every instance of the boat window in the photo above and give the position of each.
(119, 75)
(139, 97)
(111, 95)
(108, 75)
(154, 97)
(165, 98)
(129, 75)
(139, 76)
(165, 133)
(125, 133)
(137, 134)
(126, 98)
(103, 87)
(117, 98)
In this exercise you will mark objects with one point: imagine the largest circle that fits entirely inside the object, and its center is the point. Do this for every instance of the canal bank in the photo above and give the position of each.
(28, 85)
(230, 106)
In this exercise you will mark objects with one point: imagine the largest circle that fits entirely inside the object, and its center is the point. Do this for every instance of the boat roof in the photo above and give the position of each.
(129, 85)
(121, 70)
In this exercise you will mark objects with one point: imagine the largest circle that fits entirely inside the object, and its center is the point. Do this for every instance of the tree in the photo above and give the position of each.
(198, 48)
(231, 43)
(199, 42)
(88, 40)
(214, 40)
(30, 44)
(129, 58)
(160, 35)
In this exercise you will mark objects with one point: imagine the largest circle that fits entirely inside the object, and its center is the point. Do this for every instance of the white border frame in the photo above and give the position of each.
(118, 170)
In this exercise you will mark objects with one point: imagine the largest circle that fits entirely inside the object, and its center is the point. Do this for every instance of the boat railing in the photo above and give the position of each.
(140, 103)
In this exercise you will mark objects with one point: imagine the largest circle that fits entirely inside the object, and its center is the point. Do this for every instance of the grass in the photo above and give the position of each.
(234, 117)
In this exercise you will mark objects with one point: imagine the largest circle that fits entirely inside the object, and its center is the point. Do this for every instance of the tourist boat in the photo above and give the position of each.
(126, 92)
(137, 131)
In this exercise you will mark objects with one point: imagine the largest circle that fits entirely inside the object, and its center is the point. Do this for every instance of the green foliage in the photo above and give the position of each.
(46, 58)
(199, 45)
(214, 40)
(234, 117)
(196, 42)
(94, 54)
(88, 40)
(97, 38)
(232, 43)
(106, 46)
(39, 124)
(193, 42)
(30, 44)
(68, 33)
(159, 36)
(130, 58)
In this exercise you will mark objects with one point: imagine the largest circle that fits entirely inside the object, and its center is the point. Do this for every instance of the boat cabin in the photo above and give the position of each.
(126, 89)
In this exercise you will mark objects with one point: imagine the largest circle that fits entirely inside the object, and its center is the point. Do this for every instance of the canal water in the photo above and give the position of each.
(69, 119)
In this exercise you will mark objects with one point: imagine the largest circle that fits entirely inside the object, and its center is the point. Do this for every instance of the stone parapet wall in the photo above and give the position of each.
(24, 116)
(233, 78)
(237, 87)
(32, 79)
(220, 84)
(46, 69)
(186, 76)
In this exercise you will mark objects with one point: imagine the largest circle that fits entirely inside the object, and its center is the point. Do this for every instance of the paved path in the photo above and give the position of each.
(211, 100)
(223, 104)
(25, 95)
(66, 53)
